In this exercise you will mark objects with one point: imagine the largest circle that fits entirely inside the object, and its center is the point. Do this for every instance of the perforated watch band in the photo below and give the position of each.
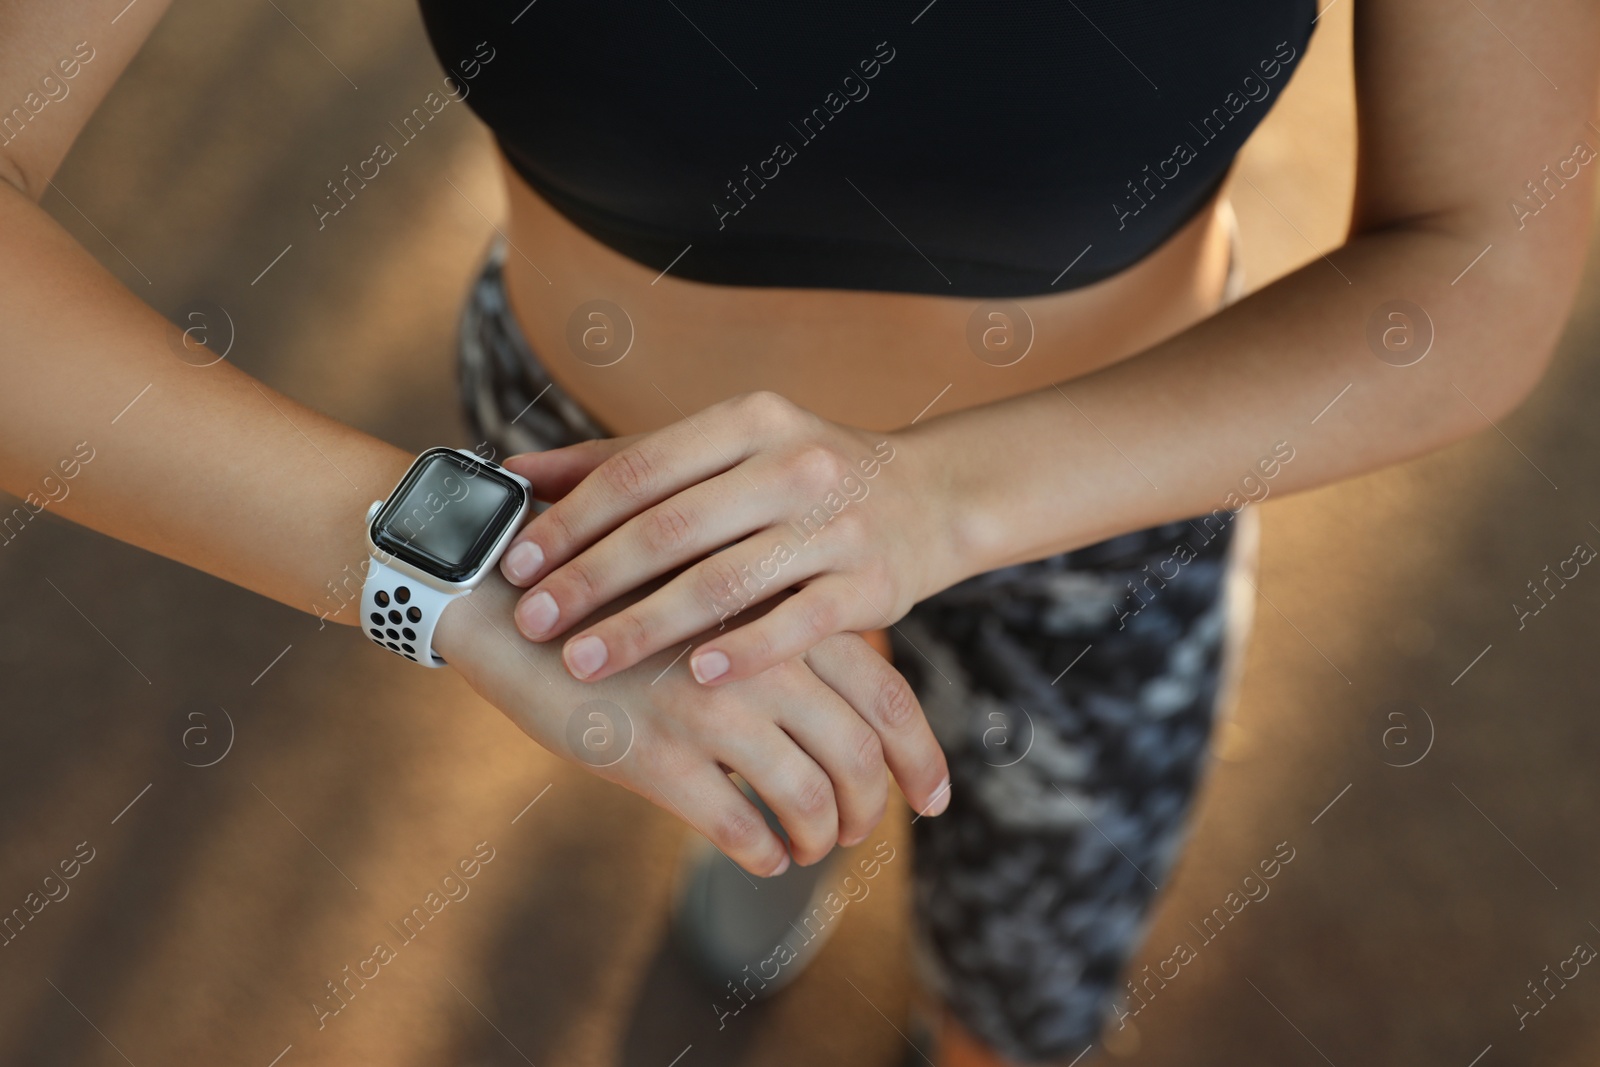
(400, 613)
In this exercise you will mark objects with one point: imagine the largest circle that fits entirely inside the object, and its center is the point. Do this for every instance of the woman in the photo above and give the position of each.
(803, 252)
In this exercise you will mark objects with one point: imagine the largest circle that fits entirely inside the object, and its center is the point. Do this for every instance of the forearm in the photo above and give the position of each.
(207, 466)
(1180, 429)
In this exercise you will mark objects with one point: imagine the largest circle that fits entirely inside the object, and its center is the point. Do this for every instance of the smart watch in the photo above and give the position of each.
(441, 530)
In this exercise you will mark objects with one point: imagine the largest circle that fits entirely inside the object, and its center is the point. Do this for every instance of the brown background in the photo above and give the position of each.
(1401, 933)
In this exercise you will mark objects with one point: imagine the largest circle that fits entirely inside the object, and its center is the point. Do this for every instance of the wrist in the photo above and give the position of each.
(434, 540)
(468, 620)
(476, 639)
(338, 551)
(959, 535)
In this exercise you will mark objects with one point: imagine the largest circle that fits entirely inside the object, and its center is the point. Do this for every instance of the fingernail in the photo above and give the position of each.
(537, 614)
(522, 562)
(709, 666)
(941, 798)
(586, 655)
(783, 865)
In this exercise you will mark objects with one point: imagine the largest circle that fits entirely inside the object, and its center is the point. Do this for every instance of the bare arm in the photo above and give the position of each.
(57, 62)
(1454, 122)
(1460, 118)
(206, 466)
(209, 467)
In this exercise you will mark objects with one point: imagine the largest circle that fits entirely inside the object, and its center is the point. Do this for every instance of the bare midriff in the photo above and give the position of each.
(869, 359)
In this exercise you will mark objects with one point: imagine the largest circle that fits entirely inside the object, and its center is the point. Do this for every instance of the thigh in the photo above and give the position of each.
(1074, 698)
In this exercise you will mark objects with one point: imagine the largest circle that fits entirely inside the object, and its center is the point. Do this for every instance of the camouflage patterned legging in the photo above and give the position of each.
(1073, 697)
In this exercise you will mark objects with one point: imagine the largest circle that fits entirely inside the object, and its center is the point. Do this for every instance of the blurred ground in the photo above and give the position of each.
(218, 905)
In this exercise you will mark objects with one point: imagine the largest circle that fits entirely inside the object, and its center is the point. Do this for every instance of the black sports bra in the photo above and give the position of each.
(960, 147)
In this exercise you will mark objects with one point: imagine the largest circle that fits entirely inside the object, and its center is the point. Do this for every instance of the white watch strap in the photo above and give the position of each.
(400, 613)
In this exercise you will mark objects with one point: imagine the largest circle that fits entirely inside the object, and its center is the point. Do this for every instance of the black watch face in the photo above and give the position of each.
(446, 514)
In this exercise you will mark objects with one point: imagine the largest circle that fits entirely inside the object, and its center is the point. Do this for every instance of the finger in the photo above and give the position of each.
(797, 790)
(691, 524)
(646, 472)
(708, 800)
(881, 696)
(702, 598)
(820, 610)
(555, 471)
(553, 474)
(850, 754)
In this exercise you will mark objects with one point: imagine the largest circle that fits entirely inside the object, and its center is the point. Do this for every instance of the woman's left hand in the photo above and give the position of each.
(857, 523)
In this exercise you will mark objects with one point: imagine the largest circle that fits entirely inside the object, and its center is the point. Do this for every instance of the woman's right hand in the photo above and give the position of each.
(812, 736)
